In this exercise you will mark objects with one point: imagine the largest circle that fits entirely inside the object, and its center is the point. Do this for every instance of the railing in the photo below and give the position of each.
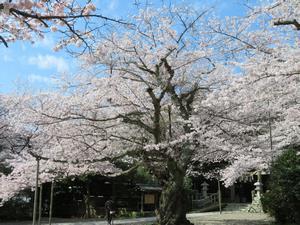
(211, 199)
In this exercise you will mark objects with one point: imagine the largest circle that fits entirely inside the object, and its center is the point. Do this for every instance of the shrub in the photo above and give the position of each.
(19, 207)
(283, 199)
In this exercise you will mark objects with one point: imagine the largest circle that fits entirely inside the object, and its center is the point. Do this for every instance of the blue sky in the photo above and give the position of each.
(33, 66)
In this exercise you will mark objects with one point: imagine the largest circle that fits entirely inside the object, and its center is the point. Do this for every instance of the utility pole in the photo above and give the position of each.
(36, 191)
(51, 202)
(219, 197)
(40, 204)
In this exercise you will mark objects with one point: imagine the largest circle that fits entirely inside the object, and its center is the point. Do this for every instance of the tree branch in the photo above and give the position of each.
(288, 22)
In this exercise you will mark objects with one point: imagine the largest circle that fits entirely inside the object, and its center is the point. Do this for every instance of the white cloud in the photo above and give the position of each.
(7, 58)
(113, 4)
(46, 42)
(48, 62)
(6, 55)
(33, 78)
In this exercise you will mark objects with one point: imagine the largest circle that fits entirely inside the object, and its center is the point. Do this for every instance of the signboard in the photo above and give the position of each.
(149, 199)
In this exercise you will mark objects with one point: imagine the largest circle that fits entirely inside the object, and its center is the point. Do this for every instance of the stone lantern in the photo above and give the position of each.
(258, 185)
(256, 205)
(258, 188)
(204, 189)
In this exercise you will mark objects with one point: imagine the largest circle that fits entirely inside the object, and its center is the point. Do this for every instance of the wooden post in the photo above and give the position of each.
(36, 191)
(87, 202)
(142, 202)
(40, 204)
(232, 193)
(219, 197)
(51, 202)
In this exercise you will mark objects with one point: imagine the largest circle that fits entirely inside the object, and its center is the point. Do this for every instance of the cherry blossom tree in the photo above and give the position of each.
(138, 108)
(147, 102)
(282, 12)
(3, 139)
(258, 109)
(29, 19)
(30, 144)
(174, 92)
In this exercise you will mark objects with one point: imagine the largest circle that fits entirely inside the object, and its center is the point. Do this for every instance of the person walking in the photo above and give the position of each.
(109, 209)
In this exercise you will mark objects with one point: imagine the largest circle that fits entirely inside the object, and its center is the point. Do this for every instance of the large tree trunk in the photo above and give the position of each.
(174, 201)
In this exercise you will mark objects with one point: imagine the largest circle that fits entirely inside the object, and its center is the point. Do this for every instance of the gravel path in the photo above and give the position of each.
(211, 218)
(230, 218)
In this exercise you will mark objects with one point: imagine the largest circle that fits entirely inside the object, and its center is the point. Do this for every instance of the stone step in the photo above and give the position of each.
(236, 207)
